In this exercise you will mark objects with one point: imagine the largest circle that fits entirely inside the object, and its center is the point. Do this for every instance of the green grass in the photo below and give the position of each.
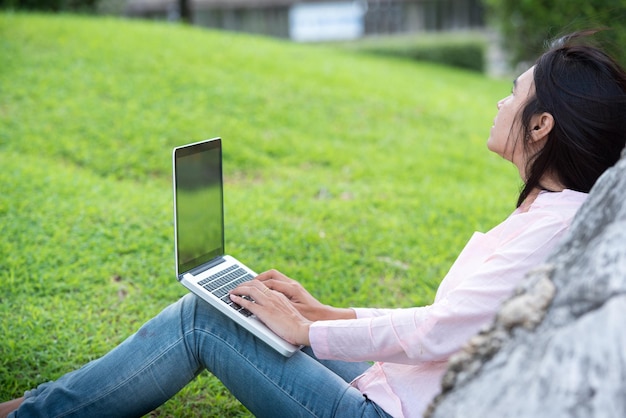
(361, 176)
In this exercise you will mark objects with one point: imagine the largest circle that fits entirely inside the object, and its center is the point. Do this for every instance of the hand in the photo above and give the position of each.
(307, 305)
(274, 310)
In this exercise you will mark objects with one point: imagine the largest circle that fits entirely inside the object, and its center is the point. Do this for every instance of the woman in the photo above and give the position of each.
(562, 126)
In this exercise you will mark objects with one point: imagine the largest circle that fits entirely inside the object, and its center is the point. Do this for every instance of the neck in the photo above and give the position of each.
(530, 199)
(551, 183)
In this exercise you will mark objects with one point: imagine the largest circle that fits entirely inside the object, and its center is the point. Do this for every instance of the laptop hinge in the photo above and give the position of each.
(204, 267)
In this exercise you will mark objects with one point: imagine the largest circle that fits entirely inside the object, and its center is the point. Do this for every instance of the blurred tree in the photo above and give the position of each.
(87, 6)
(185, 10)
(526, 25)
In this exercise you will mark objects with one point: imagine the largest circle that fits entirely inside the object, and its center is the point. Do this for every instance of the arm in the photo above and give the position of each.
(485, 274)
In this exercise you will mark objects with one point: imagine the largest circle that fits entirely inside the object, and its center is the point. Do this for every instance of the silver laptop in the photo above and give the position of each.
(201, 263)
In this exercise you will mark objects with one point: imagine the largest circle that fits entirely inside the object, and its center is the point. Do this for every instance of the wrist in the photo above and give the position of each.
(306, 340)
(332, 313)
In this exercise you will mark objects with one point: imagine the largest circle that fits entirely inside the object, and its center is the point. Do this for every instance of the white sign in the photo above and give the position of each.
(326, 21)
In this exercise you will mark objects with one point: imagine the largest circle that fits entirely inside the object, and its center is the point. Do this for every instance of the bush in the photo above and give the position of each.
(456, 50)
(468, 55)
(526, 25)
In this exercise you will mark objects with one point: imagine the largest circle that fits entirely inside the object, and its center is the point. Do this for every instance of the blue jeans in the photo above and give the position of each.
(174, 347)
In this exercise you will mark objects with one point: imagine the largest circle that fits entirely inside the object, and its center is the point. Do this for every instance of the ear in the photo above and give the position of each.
(541, 125)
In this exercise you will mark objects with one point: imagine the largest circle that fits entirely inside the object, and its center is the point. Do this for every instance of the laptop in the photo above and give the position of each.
(201, 263)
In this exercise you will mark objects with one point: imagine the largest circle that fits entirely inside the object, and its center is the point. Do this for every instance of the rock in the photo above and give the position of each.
(557, 348)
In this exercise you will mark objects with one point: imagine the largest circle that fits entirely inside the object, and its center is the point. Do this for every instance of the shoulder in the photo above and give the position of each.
(559, 206)
(550, 215)
(564, 203)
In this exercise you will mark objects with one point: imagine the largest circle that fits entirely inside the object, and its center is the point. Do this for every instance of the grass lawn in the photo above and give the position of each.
(361, 176)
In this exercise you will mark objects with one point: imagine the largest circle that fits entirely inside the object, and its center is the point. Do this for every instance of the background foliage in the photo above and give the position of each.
(52, 5)
(525, 25)
(361, 176)
(466, 50)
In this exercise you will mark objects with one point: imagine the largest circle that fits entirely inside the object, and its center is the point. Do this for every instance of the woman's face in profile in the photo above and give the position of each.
(505, 137)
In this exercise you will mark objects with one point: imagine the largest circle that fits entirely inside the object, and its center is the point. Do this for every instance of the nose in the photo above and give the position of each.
(499, 104)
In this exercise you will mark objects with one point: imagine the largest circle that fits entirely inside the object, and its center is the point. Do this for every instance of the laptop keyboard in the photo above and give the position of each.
(220, 284)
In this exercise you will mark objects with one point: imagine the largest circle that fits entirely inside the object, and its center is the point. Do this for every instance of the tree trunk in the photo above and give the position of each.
(558, 347)
(185, 11)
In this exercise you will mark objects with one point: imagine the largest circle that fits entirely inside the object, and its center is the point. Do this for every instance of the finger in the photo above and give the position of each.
(244, 285)
(265, 291)
(243, 289)
(244, 303)
(252, 289)
(260, 286)
(271, 275)
(280, 286)
(252, 297)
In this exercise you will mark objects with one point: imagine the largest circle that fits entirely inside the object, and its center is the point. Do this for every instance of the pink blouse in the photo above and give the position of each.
(411, 346)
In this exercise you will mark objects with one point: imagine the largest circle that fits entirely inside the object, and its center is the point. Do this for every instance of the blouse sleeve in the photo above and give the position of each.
(473, 293)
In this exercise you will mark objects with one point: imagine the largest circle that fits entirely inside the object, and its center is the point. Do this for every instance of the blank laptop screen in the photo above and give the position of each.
(199, 209)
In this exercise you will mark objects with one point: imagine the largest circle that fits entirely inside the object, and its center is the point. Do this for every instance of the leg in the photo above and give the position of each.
(171, 349)
(9, 406)
(134, 378)
(267, 383)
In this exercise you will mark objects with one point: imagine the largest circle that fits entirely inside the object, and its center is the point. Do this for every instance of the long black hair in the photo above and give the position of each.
(584, 90)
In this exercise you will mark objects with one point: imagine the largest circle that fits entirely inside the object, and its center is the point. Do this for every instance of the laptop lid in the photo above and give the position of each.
(198, 204)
